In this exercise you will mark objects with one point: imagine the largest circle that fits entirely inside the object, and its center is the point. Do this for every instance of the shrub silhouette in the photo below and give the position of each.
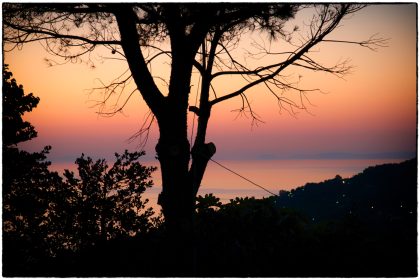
(107, 202)
(28, 185)
(46, 217)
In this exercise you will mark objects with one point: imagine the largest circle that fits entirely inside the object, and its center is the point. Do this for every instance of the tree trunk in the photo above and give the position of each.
(173, 149)
(201, 151)
(180, 184)
(177, 199)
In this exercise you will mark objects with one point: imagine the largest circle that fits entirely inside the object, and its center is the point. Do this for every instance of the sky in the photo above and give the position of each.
(371, 112)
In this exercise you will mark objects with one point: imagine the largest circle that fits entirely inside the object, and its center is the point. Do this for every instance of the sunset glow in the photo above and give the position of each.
(371, 112)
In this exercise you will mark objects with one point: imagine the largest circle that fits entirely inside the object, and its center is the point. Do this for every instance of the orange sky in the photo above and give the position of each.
(371, 111)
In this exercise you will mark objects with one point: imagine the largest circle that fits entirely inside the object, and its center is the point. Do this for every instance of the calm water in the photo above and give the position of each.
(273, 175)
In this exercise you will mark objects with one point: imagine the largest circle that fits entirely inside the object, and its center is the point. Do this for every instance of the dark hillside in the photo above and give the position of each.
(364, 226)
(385, 193)
(368, 221)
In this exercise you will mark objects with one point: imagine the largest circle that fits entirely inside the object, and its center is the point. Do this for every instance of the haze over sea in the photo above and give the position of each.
(274, 175)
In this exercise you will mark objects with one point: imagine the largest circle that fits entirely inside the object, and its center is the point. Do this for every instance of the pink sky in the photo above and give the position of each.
(370, 112)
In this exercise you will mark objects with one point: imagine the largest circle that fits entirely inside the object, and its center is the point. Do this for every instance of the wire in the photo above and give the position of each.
(246, 179)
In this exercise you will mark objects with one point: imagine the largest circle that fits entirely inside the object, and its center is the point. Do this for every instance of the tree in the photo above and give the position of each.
(28, 186)
(44, 215)
(200, 37)
(107, 202)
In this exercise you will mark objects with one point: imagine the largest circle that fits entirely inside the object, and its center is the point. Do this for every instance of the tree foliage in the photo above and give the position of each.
(108, 201)
(28, 186)
(26, 178)
(45, 215)
(15, 105)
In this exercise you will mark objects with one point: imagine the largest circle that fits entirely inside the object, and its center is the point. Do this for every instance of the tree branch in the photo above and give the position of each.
(373, 43)
(138, 66)
(328, 22)
(54, 35)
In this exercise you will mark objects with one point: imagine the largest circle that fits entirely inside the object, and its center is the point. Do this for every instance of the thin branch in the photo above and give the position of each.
(373, 43)
(319, 34)
(143, 133)
(54, 35)
(120, 109)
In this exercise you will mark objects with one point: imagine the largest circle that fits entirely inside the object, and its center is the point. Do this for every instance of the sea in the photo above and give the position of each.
(228, 179)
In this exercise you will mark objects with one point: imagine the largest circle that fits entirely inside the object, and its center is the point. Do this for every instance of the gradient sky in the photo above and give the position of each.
(371, 112)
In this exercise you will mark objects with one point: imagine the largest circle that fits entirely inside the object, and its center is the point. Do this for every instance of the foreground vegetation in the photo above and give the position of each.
(275, 237)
